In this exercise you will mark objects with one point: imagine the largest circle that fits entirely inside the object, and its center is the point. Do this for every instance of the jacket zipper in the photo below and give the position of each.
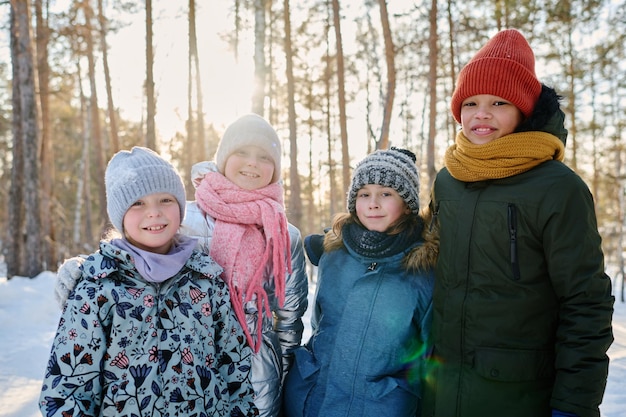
(512, 220)
(372, 266)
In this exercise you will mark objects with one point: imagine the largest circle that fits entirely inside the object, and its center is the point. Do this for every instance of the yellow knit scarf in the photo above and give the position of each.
(501, 158)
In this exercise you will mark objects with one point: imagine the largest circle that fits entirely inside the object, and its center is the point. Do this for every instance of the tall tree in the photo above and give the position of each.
(191, 124)
(24, 238)
(48, 222)
(258, 94)
(341, 96)
(433, 56)
(390, 54)
(295, 198)
(83, 192)
(102, 20)
(196, 138)
(150, 98)
(94, 110)
(333, 191)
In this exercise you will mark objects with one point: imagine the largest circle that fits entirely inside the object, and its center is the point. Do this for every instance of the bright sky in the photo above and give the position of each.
(226, 84)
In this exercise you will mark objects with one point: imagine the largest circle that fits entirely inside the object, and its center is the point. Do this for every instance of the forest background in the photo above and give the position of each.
(80, 80)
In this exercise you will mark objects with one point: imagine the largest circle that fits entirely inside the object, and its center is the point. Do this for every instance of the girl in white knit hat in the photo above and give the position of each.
(149, 327)
(239, 218)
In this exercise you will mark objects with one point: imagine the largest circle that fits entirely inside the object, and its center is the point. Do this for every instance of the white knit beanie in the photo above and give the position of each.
(394, 168)
(250, 129)
(132, 175)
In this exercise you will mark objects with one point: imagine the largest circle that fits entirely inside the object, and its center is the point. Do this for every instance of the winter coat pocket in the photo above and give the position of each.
(381, 387)
(300, 380)
(387, 394)
(514, 365)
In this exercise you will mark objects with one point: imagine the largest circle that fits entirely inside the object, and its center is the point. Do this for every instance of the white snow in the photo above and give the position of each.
(29, 316)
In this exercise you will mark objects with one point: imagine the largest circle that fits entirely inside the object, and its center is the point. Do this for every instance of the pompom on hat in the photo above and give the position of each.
(394, 168)
(132, 175)
(250, 129)
(504, 67)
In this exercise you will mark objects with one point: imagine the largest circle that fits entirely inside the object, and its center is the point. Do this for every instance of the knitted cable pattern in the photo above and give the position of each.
(251, 234)
(501, 158)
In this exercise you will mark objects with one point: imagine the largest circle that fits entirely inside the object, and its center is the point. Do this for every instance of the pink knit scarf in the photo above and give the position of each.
(251, 233)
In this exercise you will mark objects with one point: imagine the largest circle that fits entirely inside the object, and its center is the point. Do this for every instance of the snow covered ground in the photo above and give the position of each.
(29, 315)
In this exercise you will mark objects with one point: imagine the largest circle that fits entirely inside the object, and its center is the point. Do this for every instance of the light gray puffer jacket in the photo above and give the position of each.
(280, 337)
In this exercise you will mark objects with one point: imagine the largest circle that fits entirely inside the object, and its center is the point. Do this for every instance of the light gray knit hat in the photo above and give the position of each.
(137, 173)
(250, 129)
(394, 168)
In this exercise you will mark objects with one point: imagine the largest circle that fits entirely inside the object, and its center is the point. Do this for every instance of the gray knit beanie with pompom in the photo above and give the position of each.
(394, 168)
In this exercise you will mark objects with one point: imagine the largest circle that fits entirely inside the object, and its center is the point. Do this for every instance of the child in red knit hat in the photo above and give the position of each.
(522, 305)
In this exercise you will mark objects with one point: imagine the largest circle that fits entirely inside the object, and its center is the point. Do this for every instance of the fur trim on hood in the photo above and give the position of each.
(424, 256)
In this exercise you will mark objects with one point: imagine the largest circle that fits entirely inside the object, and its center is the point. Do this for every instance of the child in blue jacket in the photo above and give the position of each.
(373, 304)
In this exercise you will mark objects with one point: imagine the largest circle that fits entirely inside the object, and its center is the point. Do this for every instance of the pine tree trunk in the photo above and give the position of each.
(115, 141)
(258, 95)
(25, 239)
(341, 93)
(383, 142)
(295, 197)
(96, 131)
(150, 100)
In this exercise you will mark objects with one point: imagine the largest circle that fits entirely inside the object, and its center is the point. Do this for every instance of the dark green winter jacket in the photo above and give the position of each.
(522, 306)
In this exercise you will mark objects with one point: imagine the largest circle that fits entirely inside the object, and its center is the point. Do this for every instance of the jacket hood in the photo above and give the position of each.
(547, 115)
(424, 256)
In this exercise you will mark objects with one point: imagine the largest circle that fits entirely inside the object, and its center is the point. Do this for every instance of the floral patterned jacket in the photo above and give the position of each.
(125, 346)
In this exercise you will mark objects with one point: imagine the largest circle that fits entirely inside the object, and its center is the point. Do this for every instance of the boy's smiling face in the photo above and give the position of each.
(485, 118)
(249, 167)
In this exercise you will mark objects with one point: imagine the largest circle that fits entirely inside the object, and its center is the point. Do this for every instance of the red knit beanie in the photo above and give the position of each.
(504, 67)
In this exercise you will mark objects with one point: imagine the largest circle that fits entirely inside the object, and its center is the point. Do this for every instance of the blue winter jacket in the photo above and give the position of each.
(370, 334)
(125, 346)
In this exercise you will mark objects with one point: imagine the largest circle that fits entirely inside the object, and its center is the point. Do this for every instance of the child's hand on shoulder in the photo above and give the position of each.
(68, 274)
(199, 170)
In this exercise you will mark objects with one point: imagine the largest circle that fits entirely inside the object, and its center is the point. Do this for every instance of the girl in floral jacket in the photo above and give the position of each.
(149, 329)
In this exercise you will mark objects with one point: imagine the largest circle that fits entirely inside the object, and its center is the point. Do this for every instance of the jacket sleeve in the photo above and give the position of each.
(573, 251)
(196, 224)
(288, 324)
(72, 382)
(314, 248)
